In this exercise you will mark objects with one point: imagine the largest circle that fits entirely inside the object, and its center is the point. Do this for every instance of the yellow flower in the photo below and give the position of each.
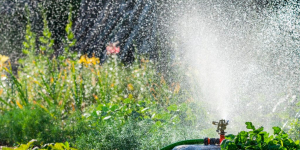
(95, 96)
(130, 87)
(86, 60)
(20, 106)
(3, 59)
(93, 60)
(82, 59)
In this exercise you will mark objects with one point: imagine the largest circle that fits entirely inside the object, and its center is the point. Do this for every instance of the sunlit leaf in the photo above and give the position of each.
(172, 107)
(250, 125)
(276, 130)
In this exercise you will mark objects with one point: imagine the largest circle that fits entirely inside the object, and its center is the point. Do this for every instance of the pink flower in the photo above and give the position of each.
(112, 48)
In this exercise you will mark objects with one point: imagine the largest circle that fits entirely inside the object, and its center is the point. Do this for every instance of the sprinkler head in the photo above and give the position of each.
(221, 126)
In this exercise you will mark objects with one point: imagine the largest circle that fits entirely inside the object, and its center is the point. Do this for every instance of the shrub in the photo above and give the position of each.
(259, 139)
(31, 122)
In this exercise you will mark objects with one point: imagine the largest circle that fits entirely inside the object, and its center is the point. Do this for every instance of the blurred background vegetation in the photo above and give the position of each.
(50, 93)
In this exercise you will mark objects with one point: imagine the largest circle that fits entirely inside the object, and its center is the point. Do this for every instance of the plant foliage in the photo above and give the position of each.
(258, 139)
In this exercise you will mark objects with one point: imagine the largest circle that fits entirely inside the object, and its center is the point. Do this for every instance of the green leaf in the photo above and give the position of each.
(172, 107)
(158, 123)
(114, 107)
(258, 130)
(242, 137)
(26, 45)
(231, 146)
(297, 142)
(67, 145)
(70, 36)
(230, 137)
(276, 130)
(127, 100)
(51, 43)
(43, 40)
(25, 51)
(250, 125)
(6, 103)
(73, 43)
(43, 48)
(104, 108)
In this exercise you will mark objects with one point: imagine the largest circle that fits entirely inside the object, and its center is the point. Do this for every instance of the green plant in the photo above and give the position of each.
(30, 145)
(260, 140)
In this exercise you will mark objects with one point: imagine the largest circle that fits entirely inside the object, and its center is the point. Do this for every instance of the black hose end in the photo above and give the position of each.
(205, 141)
(212, 141)
(218, 141)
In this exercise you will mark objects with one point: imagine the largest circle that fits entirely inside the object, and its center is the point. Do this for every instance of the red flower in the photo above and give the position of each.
(112, 48)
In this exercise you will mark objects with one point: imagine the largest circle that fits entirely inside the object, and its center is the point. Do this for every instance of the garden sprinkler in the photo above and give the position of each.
(206, 141)
(221, 126)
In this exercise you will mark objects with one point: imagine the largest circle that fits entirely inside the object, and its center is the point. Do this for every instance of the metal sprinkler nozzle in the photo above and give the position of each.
(221, 128)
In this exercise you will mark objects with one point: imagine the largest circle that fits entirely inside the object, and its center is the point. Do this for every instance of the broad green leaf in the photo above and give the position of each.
(276, 130)
(25, 51)
(259, 130)
(114, 107)
(250, 125)
(230, 137)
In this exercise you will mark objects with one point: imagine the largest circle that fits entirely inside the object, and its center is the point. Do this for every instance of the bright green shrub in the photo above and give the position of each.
(260, 140)
(31, 122)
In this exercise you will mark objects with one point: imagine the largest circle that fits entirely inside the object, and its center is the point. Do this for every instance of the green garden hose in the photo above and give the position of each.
(194, 141)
